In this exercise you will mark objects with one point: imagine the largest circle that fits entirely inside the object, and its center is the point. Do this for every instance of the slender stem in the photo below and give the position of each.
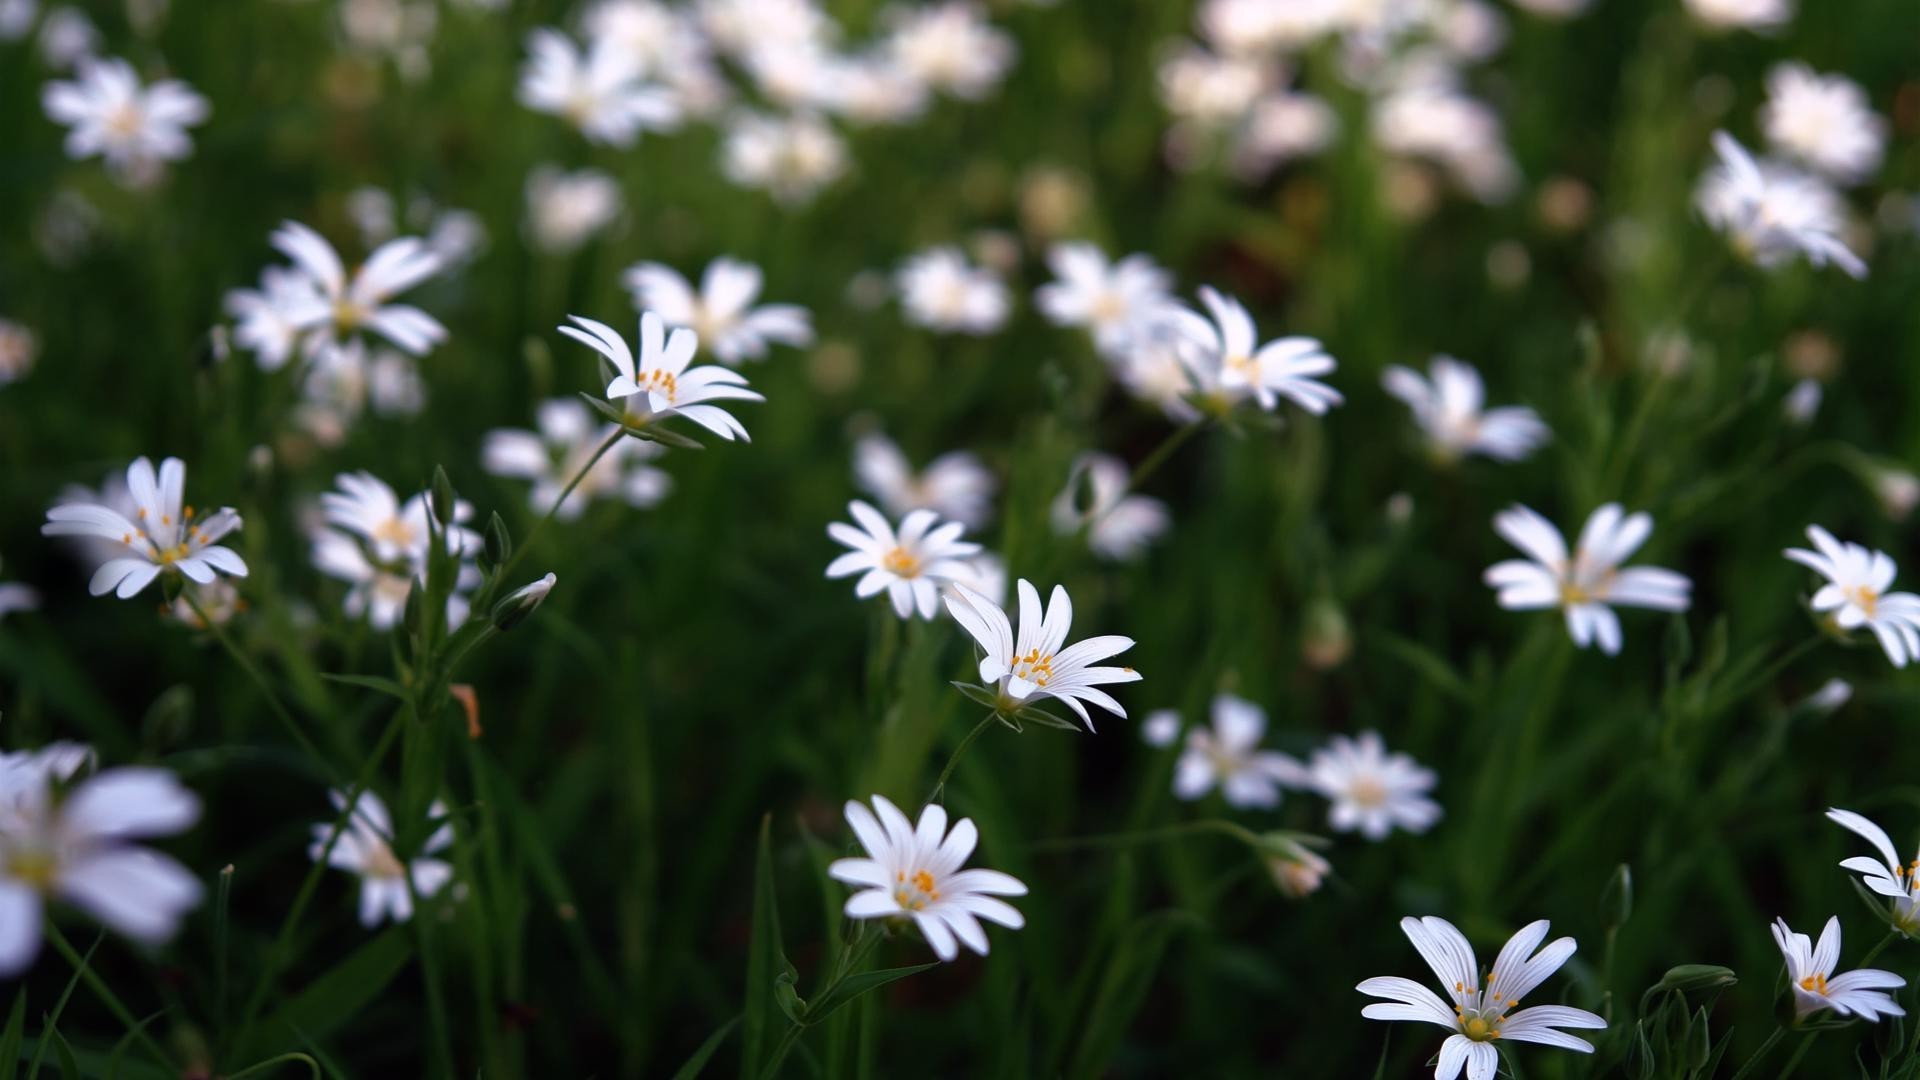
(1880, 948)
(1175, 440)
(430, 974)
(106, 995)
(1793, 1062)
(1148, 836)
(313, 1066)
(940, 785)
(521, 548)
(1760, 1054)
(260, 680)
(852, 954)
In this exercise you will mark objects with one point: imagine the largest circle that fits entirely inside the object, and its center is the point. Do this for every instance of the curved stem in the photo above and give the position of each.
(940, 785)
(313, 1067)
(1760, 1054)
(1174, 440)
(105, 993)
(521, 548)
(1891, 937)
(260, 680)
(1793, 1062)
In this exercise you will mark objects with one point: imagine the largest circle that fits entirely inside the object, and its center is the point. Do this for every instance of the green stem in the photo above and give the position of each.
(260, 680)
(1880, 948)
(313, 1067)
(1175, 440)
(1147, 836)
(1760, 1054)
(106, 995)
(532, 534)
(1793, 1062)
(940, 785)
(852, 955)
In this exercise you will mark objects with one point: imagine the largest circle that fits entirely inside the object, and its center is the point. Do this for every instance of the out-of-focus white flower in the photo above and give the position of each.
(913, 872)
(1228, 756)
(17, 598)
(790, 158)
(1824, 121)
(940, 290)
(1897, 490)
(135, 128)
(567, 439)
(16, 18)
(273, 320)
(1449, 410)
(1209, 90)
(1832, 694)
(67, 37)
(457, 237)
(601, 92)
(738, 26)
(1760, 15)
(400, 30)
(364, 848)
(909, 565)
(954, 484)
(1372, 791)
(379, 545)
(1258, 27)
(1110, 299)
(951, 47)
(1889, 877)
(1154, 367)
(653, 35)
(163, 534)
(1810, 967)
(1802, 402)
(1119, 525)
(18, 350)
(662, 385)
(1227, 362)
(722, 312)
(360, 302)
(76, 845)
(219, 601)
(1434, 120)
(1282, 127)
(1584, 586)
(874, 89)
(1855, 593)
(567, 209)
(1772, 213)
(1160, 728)
(1035, 664)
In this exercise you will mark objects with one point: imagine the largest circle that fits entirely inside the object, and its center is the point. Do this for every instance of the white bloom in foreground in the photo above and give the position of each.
(567, 209)
(910, 565)
(1762, 15)
(790, 158)
(1823, 120)
(1815, 987)
(568, 438)
(1119, 526)
(940, 290)
(662, 385)
(600, 92)
(18, 349)
(1110, 299)
(1891, 878)
(1585, 585)
(162, 535)
(1035, 663)
(1372, 791)
(379, 545)
(1855, 593)
(951, 47)
(1450, 411)
(1477, 1008)
(357, 302)
(1229, 757)
(722, 312)
(1227, 362)
(364, 848)
(111, 115)
(77, 847)
(1773, 214)
(915, 873)
(954, 484)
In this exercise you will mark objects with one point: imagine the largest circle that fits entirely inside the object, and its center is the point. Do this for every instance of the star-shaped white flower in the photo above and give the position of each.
(1119, 525)
(955, 484)
(1227, 361)
(1229, 757)
(134, 127)
(1815, 987)
(1891, 878)
(164, 534)
(1039, 663)
(910, 565)
(568, 437)
(600, 92)
(1855, 593)
(1585, 585)
(940, 290)
(365, 849)
(359, 301)
(1372, 791)
(1773, 213)
(915, 873)
(1450, 410)
(722, 312)
(1823, 120)
(1110, 299)
(662, 385)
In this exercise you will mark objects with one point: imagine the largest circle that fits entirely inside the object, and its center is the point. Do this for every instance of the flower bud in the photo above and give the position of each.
(498, 546)
(442, 496)
(520, 603)
(1297, 872)
(1694, 978)
(1616, 899)
(1326, 639)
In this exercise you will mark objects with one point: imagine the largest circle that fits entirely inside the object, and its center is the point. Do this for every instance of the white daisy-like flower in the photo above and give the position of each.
(740, 26)
(722, 312)
(1119, 525)
(1587, 584)
(1855, 593)
(18, 350)
(1038, 662)
(954, 484)
(76, 845)
(1227, 363)
(662, 385)
(1426, 115)
(567, 209)
(1772, 213)
(135, 128)
(1861, 992)
(913, 872)
(789, 157)
(1229, 757)
(360, 302)
(951, 47)
(600, 92)
(568, 437)
(1759, 15)
(273, 320)
(1372, 791)
(1110, 299)
(1480, 1010)
(164, 534)
(910, 565)
(379, 545)
(1450, 410)
(364, 848)
(1891, 878)
(941, 291)
(1154, 368)
(1824, 121)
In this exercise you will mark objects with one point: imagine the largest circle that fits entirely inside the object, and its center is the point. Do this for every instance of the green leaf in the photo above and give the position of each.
(766, 955)
(10, 1041)
(1034, 715)
(853, 986)
(69, 1068)
(646, 433)
(369, 682)
(979, 695)
(701, 1056)
(115, 1061)
(336, 997)
(53, 1019)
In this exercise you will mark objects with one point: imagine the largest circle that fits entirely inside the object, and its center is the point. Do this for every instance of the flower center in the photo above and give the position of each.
(394, 531)
(658, 381)
(33, 867)
(901, 562)
(347, 315)
(1108, 307)
(914, 891)
(1865, 598)
(1479, 1029)
(1815, 983)
(381, 862)
(125, 121)
(1367, 791)
(1033, 667)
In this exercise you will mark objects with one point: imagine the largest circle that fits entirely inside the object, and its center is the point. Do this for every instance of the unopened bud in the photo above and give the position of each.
(1694, 978)
(1327, 639)
(1297, 872)
(498, 546)
(443, 501)
(520, 603)
(1616, 899)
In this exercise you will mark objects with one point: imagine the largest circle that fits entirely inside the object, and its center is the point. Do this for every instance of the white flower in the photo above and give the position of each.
(1229, 757)
(1856, 593)
(567, 209)
(1823, 120)
(600, 93)
(1802, 402)
(950, 47)
(379, 545)
(1773, 213)
(652, 34)
(1227, 363)
(1476, 1016)
(67, 37)
(954, 484)
(1119, 526)
(722, 312)
(1815, 986)
(364, 848)
(910, 566)
(16, 18)
(1110, 299)
(162, 534)
(739, 26)
(1281, 127)
(914, 872)
(1372, 791)
(663, 385)
(77, 847)
(569, 435)
(1035, 664)
(1891, 878)
(134, 127)
(271, 321)
(1430, 118)
(1208, 90)
(940, 290)
(1761, 15)
(1160, 728)
(350, 304)
(1449, 409)
(1585, 585)
(523, 601)
(791, 158)
(1154, 366)
(1297, 871)
(18, 350)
